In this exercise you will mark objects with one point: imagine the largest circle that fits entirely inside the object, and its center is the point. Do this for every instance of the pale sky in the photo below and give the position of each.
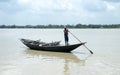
(23, 12)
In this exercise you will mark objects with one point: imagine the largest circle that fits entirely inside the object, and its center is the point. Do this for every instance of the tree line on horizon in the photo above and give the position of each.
(62, 26)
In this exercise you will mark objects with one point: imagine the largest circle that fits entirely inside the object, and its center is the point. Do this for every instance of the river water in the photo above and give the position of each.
(17, 59)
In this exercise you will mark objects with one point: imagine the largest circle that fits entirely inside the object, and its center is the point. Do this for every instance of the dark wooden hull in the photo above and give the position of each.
(58, 48)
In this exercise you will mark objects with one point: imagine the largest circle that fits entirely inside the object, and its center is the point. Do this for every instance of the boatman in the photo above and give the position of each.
(66, 35)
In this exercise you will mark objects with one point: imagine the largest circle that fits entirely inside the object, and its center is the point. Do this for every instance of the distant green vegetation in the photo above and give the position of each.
(62, 26)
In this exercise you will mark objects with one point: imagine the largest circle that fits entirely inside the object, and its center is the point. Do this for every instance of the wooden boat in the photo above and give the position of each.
(50, 46)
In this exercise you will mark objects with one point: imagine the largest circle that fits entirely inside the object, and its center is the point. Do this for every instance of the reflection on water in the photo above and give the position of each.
(54, 55)
(65, 60)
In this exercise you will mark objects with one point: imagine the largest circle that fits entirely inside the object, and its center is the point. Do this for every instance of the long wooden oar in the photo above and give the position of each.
(81, 42)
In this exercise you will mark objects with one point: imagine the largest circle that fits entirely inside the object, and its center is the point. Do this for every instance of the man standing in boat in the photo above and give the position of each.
(66, 36)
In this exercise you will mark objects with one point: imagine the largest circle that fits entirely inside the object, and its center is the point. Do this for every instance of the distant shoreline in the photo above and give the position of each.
(77, 26)
(59, 28)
